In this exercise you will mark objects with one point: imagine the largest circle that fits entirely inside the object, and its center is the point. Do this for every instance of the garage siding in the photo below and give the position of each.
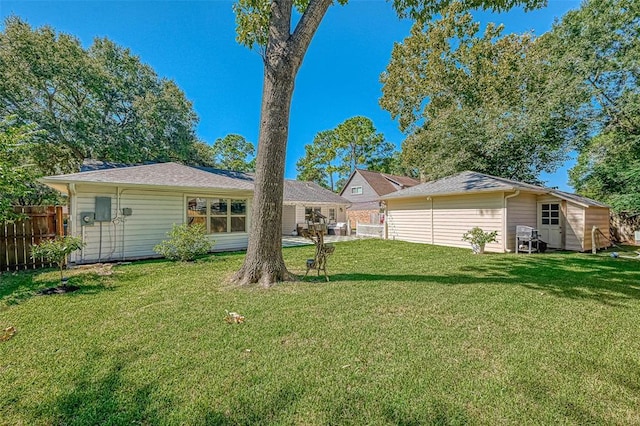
(521, 210)
(409, 220)
(574, 227)
(596, 216)
(455, 215)
(452, 216)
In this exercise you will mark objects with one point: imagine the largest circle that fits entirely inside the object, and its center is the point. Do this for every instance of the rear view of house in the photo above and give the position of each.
(441, 211)
(123, 212)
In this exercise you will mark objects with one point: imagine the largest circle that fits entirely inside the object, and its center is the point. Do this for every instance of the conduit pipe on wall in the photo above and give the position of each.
(505, 221)
(73, 213)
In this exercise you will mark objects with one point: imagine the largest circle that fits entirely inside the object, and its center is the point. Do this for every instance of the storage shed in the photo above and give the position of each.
(441, 211)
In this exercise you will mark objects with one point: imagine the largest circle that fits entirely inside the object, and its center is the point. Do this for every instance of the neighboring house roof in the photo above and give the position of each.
(383, 183)
(295, 190)
(178, 175)
(473, 182)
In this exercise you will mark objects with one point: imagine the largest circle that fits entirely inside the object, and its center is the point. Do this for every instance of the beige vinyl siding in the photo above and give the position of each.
(409, 220)
(133, 237)
(288, 219)
(451, 216)
(596, 216)
(521, 210)
(455, 215)
(574, 227)
(153, 214)
(341, 216)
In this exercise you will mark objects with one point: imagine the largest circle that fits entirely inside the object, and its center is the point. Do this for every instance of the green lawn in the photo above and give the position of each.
(403, 334)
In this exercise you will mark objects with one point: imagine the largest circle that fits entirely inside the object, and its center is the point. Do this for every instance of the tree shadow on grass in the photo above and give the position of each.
(19, 287)
(103, 397)
(607, 281)
(250, 410)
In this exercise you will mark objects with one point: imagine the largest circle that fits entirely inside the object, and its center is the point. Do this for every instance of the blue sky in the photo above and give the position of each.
(193, 43)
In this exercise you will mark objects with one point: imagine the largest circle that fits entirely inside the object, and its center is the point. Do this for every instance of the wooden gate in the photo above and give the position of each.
(16, 239)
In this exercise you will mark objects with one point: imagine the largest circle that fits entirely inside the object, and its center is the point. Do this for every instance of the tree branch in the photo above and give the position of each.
(307, 27)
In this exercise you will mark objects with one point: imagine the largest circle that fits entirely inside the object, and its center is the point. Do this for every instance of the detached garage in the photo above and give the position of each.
(441, 211)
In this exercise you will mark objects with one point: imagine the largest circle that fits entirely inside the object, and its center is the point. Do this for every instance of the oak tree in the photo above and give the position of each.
(472, 99)
(595, 51)
(101, 102)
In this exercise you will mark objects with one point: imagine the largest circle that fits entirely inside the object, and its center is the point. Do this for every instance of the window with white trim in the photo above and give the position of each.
(356, 190)
(550, 214)
(308, 210)
(218, 215)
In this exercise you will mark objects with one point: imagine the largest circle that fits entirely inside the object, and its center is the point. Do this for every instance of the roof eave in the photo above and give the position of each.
(394, 195)
(55, 183)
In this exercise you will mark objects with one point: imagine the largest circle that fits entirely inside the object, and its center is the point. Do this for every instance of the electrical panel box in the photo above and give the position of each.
(126, 211)
(87, 218)
(103, 209)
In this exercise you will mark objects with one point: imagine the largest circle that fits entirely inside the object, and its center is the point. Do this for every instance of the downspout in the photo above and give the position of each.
(504, 220)
(123, 219)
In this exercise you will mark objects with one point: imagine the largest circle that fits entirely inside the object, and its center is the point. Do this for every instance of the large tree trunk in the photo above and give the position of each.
(282, 59)
(264, 263)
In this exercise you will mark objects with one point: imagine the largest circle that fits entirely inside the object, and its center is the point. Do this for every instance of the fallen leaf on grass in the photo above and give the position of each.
(7, 334)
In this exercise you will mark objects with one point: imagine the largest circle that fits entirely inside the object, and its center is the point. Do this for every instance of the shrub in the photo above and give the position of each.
(185, 243)
(56, 251)
(478, 238)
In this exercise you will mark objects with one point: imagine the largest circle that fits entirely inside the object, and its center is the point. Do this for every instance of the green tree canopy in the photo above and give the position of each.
(335, 153)
(475, 100)
(233, 152)
(17, 173)
(319, 163)
(361, 145)
(595, 51)
(101, 102)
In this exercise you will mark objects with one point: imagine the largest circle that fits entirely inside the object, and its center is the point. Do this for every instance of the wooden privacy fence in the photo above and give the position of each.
(16, 239)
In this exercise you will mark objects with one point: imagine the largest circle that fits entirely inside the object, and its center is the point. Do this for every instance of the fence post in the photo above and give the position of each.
(59, 222)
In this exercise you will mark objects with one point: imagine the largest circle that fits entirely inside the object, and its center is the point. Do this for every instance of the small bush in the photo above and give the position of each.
(56, 251)
(478, 238)
(185, 243)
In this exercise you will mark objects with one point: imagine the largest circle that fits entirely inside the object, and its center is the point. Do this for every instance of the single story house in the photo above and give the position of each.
(364, 188)
(122, 213)
(441, 211)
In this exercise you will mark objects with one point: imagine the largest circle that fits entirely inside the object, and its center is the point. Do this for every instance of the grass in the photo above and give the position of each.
(403, 334)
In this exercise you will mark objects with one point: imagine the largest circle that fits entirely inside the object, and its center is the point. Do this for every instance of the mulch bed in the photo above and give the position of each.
(58, 290)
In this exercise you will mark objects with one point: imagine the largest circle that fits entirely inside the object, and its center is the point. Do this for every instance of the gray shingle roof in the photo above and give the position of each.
(577, 198)
(160, 174)
(178, 175)
(295, 190)
(471, 182)
(383, 183)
